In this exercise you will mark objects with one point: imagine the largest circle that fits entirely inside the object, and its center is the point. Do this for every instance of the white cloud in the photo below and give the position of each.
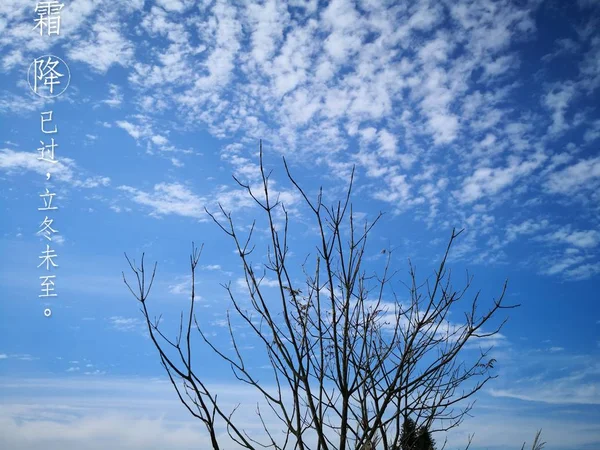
(121, 413)
(527, 227)
(20, 104)
(560, 392)
(558, 100)
(387, 144)
(220, 62)
(265, 283)
(267, 22)
(104, 47)
(501, 65)
(509, 427)
(183, 286)
(583, 175)
(583, 272)
(126, 324)
(563, 46)
(426, 89)
(323, 77)
(64, 170)
(581, 239)
(486, 181)
(134, 131)
(159, 140)
(95, 432)
(398, 190)
(169, 198)
(344, 24)
(561, 265)
(589, 68)
(593, 133)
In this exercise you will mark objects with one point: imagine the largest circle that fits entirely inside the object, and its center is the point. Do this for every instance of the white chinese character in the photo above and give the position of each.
(47, 257)
(49, 17)
(48, 76)
(49, 119)
(47, 197)
(47, 230)
(46, 70)
(47, 149)
(48, 284)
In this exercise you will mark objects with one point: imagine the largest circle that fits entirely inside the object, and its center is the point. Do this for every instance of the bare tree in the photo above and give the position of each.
(350, 360)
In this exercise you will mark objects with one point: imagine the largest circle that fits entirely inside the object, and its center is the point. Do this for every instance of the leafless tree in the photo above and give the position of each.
(350, 360)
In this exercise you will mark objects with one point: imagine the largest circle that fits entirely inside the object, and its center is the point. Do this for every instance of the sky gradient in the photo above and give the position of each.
(480, 115)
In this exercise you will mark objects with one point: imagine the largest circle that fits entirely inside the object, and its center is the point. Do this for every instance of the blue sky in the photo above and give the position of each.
(480, 115)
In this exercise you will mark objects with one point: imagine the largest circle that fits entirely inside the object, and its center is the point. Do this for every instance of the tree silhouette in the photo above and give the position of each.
(537, 442)
(413, 438)
(408, 438)
(349, 360)
(424, 440)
